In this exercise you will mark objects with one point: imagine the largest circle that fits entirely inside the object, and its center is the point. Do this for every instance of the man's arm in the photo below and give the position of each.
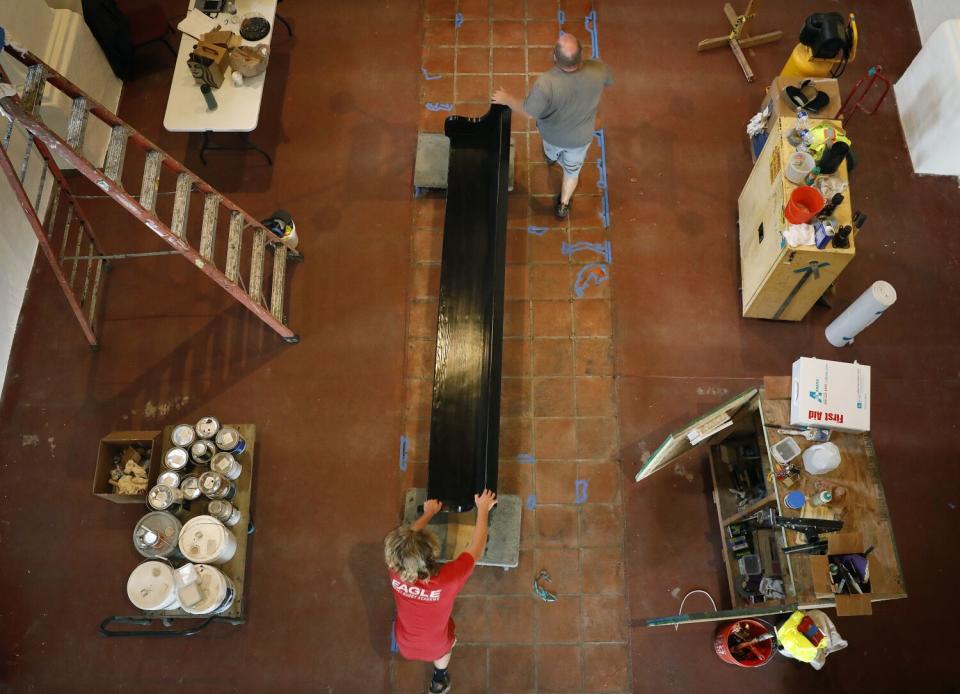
(504, 98)
(478, 542)
(431, 508)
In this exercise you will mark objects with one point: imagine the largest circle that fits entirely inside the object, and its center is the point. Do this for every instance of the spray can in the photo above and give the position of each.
(208, 97)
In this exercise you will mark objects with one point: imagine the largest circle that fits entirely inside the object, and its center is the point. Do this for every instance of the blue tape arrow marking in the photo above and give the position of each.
(404, 449)
(427, 76)
(604, 249)
(434, 106)
(602, 181)
(581, 488)
(526, 459)
(590, 24)
(458, 20)
(532, 501)
(537, 231)
(591, 274)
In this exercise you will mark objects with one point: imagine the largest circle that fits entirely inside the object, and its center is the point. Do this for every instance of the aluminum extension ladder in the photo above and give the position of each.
(66, 235)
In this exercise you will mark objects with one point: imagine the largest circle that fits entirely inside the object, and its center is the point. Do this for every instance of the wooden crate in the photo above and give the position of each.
(779, 282)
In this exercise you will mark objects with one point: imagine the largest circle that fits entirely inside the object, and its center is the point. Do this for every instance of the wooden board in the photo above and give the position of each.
(236, 568)
(864, 510)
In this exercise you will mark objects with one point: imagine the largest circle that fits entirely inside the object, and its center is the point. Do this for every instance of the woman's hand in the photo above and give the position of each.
(485, 501)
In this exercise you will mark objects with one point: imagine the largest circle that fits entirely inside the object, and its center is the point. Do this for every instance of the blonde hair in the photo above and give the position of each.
(411, 554)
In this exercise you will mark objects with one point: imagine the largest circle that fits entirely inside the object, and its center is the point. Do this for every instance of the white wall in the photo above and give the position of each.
(930, 13)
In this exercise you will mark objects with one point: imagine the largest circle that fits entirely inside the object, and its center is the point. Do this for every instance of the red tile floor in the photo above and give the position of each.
(589, 384)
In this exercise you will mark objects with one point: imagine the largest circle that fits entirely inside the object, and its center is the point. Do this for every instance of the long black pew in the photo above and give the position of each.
(465, 421)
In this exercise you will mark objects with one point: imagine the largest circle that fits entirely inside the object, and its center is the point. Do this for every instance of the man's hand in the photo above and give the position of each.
(432, 507)
(500, 96)
(485, 501)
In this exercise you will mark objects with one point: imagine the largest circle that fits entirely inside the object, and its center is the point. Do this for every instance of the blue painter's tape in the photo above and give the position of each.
(458, 20)
(404, 450)
(526, 459)
(434, 106)
(590, 24)
(532, 501)
(581, 488)
(561, 20)
(393, 639)
(537, 231)
(417, 192)
(593, 274)
(427, 76)
(602, 182)
(604, 249)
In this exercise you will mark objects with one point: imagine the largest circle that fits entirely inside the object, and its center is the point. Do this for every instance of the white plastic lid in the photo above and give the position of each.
(213, 590)
(202, 539)
(821, 458)
(151, 586)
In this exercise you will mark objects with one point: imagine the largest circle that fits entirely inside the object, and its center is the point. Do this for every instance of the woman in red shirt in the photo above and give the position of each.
(424, 589)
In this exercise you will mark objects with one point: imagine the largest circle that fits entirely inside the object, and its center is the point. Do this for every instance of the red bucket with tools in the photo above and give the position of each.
(745, 643)
(804, 203)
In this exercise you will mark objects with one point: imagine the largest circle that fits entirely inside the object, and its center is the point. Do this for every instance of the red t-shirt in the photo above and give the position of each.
(424, 629)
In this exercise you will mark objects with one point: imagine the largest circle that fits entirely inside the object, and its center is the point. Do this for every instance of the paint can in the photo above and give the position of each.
(176, 458)
(205, 540)
(207, 427)
(164, 498)
(216, 486)
(213, 593)
(183, 435)
(229, 439)
(202, 451)
(190, 486)
(224, 511)
(151, 587)
(156, 535)
(169, 478)
(226, 465)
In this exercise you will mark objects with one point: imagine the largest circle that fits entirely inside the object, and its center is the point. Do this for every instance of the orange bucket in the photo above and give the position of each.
(804, 203)
(753, 656)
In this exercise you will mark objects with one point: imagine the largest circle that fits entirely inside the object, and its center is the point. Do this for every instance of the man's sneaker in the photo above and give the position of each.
(562, 209)
(440, 687)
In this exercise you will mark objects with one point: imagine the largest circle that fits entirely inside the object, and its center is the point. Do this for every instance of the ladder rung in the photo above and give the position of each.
(66, 232)
(255, 286)
(278, 281)
(181, 205)
(208, 232)
(234, 245)
(95, 293)
(116, 153)
(77, 126)
(33, 88)
(151, 180)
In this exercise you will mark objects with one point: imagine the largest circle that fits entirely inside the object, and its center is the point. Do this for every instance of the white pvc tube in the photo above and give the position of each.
(863, 312)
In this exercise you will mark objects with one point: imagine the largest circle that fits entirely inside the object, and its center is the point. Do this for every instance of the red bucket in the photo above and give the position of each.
(754, 655)
(804, 203)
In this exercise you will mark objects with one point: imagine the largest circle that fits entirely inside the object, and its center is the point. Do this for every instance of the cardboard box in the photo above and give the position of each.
(830, 394)
(116, 443)
(209, 63)
(782, 106)
(847, 605)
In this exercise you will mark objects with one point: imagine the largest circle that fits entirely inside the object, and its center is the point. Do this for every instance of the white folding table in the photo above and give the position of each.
(238, 107)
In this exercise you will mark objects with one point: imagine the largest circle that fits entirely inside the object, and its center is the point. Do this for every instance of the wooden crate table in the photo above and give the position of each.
(779, 282)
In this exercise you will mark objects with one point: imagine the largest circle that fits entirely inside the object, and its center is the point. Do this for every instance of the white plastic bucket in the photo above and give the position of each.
(799, 164)
(205, 540)
(821, 459)
(217, 592)
(151, 587)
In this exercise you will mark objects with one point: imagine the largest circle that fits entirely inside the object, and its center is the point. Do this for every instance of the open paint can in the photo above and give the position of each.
(169, 478)
(176, 458)
(183, 435)
(164, 498)
(207, 427)
(226, 465)
(229, 439)
(224, 511)
(205, 540)
(202, 451)
(156, 535)
(216, 486)
(151, 587)
(190, 486)
(213, 593)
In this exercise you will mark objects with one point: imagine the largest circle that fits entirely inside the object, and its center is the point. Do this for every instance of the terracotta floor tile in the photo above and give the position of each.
(595, 396)
(595, 236)
(516, 397)
(421, 355)
(474, 88)
(539, 59)
(432, 122)
(509, 60)
(553, 397)
(521, 139)
(543, 9)
(548, 247)
(506, 9)
(576, 10)
(528, 524)
(427, 245)
(556, 482)
(550, 282)
(593, 357)
(440, 8)
(552, 356)
(552, 318)
(511, 619)
(508, 34)
(592, 318)
(556, 526)
(516, 318)
(515, 283)
(474, 32)
(515, 359)
(429, 212)
(555, 439)
(515, 436)
(474, 8)
(515, 478)
(604, 618)
(438, 32)
(473, 59)
(418, 474)
(563, 565)
(559, 622)
(544, 179)
(585, 211)
(410, 675)
(601, 525)
(558, 669)
(492, 580)
(606, 668)
(602, 569)
(518, 213)
(518, 240)
(417, 432)
(438, 91)
(468, 670)
(515, 85)
(603, 481)
(425, 281)
(597, 438)
(421, 319)
(472, 617)
(419, 398)
(543, 33)
(542, 211)
(438, 60)
(511, 669)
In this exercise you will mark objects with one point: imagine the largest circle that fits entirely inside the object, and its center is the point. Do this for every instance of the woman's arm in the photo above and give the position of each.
(431, 507)
(478, 542)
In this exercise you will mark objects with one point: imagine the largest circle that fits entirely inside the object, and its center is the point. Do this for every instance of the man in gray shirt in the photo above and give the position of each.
(564, 101)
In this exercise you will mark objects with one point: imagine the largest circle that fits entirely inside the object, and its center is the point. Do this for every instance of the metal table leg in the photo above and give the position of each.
(247, 144)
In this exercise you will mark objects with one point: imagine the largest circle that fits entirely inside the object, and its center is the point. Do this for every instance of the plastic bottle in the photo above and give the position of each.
(208, 97)
(795, 138)
(821, 498)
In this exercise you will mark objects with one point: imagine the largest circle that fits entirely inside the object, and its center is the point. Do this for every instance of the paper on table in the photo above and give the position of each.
(196, 23)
